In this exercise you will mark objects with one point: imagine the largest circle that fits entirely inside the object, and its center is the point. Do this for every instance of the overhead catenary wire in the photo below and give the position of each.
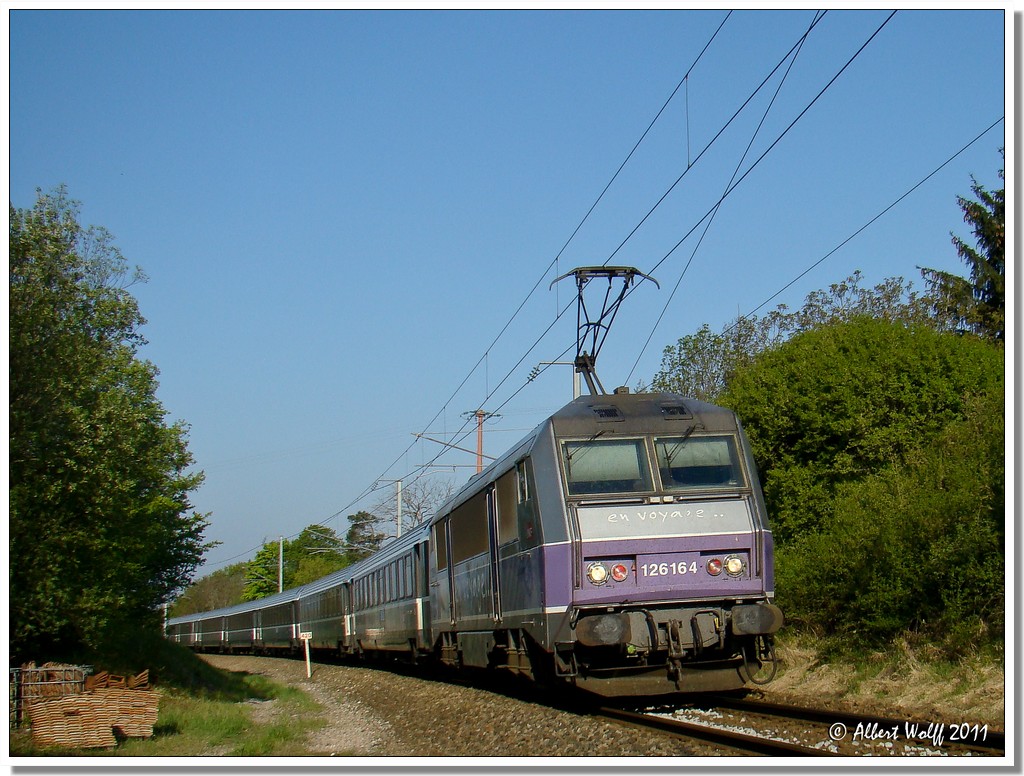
(370, 488)
(796, 53)
(732, 187)
(869, 222)
(736, 182)
(777, 140)
(749, 314)
(716, 137)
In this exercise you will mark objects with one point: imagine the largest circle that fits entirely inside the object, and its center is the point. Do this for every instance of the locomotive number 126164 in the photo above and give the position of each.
(667, 569)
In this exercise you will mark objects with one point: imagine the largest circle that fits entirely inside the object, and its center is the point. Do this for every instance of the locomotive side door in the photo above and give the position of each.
(442, 587)
(492, 540)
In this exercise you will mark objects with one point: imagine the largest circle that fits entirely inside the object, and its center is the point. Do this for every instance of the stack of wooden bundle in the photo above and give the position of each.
(79, 721)
(133, 712)
(112, 706)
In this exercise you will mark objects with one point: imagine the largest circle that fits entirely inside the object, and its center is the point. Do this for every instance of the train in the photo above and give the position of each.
(621, 548)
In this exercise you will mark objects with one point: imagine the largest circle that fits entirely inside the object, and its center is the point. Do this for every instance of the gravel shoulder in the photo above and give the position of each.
(374, 713)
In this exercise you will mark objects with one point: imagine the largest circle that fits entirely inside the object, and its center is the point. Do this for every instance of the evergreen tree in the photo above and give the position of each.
(978, 304)
(363, 537)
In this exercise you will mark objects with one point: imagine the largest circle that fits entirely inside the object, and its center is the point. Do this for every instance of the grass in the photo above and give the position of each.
(913, 677)
(213, 713)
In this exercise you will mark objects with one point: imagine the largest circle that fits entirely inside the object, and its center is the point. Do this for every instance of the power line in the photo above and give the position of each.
(777, 140)
(714, 139)
(817, 17)
(366, 491)
(871, 221)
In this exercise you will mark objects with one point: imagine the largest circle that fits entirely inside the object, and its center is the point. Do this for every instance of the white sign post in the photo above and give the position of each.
(306, 636)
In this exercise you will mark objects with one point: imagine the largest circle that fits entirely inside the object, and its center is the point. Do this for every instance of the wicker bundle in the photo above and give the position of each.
(79, 721)
(108, 710)
(133, 712)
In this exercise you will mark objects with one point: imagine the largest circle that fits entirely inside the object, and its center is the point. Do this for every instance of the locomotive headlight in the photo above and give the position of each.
(734, 565)
(714, 567)
(597, 573)
(619, 572)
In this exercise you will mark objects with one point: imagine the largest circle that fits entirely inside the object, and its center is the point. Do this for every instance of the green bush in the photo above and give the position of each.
(841, 403)
(919, 545)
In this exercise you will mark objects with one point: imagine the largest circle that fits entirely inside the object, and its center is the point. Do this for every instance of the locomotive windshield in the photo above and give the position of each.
(606, 466)
(690, 463)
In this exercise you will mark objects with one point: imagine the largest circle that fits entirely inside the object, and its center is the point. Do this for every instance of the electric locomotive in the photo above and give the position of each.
(623, 548)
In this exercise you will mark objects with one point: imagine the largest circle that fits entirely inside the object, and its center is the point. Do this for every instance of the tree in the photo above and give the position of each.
(262, 573)
(214, 591)
(419, 500)
(102, 532)
(701, 365)
(977, 304)
(314, 553)
(363, 537)
(918, 544)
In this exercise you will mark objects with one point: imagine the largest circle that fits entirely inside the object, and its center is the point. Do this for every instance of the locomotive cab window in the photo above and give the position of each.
(606, 466)
(692, 463)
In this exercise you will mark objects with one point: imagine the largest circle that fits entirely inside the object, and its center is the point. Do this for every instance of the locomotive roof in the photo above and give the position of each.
(639, 413)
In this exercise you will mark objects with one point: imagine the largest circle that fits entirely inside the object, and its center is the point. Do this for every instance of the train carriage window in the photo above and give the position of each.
(606, 466)
(469, 528)
(440, 544)
(528, 527)
(695, 462)
(507, 498)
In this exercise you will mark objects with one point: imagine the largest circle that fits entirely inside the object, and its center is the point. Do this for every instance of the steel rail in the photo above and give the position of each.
(755, 744)
(995, 740)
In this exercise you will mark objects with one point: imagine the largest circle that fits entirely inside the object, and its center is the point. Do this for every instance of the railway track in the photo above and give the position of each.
(791, 731)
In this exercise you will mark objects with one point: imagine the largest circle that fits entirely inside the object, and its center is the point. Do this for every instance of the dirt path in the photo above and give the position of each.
(351, 728)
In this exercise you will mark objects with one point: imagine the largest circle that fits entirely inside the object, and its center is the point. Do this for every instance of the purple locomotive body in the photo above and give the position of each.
(622, 548)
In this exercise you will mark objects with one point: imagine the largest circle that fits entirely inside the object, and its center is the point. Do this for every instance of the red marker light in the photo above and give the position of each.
(715, 567)
(619, 572)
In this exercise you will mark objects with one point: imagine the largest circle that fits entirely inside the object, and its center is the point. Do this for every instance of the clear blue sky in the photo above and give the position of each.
(339, 211)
